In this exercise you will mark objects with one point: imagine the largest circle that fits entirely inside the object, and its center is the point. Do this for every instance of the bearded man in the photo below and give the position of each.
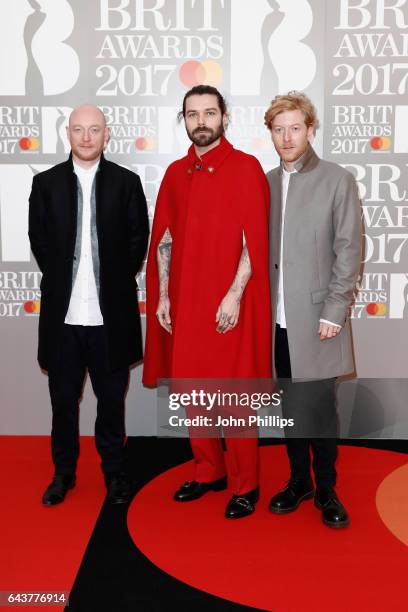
(208, 300)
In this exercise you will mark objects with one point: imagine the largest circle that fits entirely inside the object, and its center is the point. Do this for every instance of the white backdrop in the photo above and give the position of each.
(135, 59)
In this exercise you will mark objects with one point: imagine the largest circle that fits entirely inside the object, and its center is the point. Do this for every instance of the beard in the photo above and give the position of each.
(203, 137)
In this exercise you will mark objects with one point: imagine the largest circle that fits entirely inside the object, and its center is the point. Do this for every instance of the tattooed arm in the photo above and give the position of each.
(163, 265)
(228, 311)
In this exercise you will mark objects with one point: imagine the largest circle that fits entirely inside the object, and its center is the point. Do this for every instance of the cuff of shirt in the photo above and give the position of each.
(330, 322)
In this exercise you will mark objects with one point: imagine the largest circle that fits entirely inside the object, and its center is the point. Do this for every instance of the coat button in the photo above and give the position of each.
(189, 171)
(276, 266)
(198, 166)
(210, 169)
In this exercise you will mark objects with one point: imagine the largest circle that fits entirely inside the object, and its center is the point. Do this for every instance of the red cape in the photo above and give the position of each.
(207, 204)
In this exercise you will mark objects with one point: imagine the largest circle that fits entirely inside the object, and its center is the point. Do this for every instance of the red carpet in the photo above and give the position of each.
(42, 548)
(290, 563)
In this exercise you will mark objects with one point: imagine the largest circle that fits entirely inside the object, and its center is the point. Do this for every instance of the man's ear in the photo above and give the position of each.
(311, 133)
(107, 135)
(225, 120)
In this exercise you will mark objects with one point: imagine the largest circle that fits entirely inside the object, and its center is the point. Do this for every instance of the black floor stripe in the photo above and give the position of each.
(116, 577)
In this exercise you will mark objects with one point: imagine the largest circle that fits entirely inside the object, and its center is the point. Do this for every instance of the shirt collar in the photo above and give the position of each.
(307, 162)
(79, 170)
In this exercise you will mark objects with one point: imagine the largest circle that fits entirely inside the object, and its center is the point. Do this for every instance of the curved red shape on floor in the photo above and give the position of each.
(289, 563)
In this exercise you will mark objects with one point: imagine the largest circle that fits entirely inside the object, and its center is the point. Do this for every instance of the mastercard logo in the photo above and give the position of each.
(375, 310)
(32, 307)
(29, 144)
(193, 73)
(144, 144)
(260, 144)
(380, 143)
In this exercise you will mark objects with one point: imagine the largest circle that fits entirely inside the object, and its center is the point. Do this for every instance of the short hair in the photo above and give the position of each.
(294, 100)
(201, 90)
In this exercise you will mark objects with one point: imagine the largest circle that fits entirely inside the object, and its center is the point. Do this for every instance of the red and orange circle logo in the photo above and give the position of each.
(376, 310)
(193, 73)
(144, 144)
(29, 144)
(32, 307)
(380, 143)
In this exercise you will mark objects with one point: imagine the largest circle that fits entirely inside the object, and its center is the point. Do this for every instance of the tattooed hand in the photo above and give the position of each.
(227, 313)
(163, 313)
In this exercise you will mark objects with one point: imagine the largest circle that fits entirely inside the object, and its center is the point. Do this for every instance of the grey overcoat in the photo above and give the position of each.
(321, 260)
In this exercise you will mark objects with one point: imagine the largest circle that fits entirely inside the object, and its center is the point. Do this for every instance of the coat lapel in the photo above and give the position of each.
(275, 184)
(101, 190)
(276, 213)
(68, 202)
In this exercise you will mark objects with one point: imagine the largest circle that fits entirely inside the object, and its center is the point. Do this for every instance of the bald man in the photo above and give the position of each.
(88, 230)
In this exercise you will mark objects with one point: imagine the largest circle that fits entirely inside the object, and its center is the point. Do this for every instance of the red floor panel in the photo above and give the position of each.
(290, 563)
(42, 547)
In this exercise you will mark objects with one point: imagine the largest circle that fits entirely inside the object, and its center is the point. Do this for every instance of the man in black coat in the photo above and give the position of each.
(88, 229)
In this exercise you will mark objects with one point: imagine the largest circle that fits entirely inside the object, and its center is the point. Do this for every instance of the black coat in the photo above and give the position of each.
(122, 229)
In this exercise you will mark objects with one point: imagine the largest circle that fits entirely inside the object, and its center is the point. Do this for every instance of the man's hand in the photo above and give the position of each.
(163, 314)
(227, 313)
(327, 330)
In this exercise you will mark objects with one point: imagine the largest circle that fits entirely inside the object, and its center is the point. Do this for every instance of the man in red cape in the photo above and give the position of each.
(208, 296)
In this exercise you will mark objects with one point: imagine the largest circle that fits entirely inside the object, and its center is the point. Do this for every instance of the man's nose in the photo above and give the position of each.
(86, 135)
(287, 136)
(201, 120)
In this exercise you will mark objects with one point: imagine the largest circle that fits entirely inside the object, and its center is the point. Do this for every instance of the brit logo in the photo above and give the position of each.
(33, 34)
(401, 122)
(268, 55)
(398, 296)
(54, 135)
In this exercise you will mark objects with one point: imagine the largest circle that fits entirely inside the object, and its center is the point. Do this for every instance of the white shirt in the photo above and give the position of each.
(84, 303)
(280, 307)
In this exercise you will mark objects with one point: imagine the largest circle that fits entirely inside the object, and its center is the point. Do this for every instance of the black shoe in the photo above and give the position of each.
(334, 513)
(242, 505)
(118, 488)
(56, 491)
(291, 497)
(191, 490)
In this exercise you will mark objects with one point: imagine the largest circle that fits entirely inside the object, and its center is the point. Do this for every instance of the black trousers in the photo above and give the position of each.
(84, 347)
(312, 406)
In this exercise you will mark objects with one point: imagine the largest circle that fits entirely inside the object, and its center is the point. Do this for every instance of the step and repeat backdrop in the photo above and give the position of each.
(135, 59)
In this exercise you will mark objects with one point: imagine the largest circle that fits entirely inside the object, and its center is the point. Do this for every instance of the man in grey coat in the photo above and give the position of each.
(315, 259)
